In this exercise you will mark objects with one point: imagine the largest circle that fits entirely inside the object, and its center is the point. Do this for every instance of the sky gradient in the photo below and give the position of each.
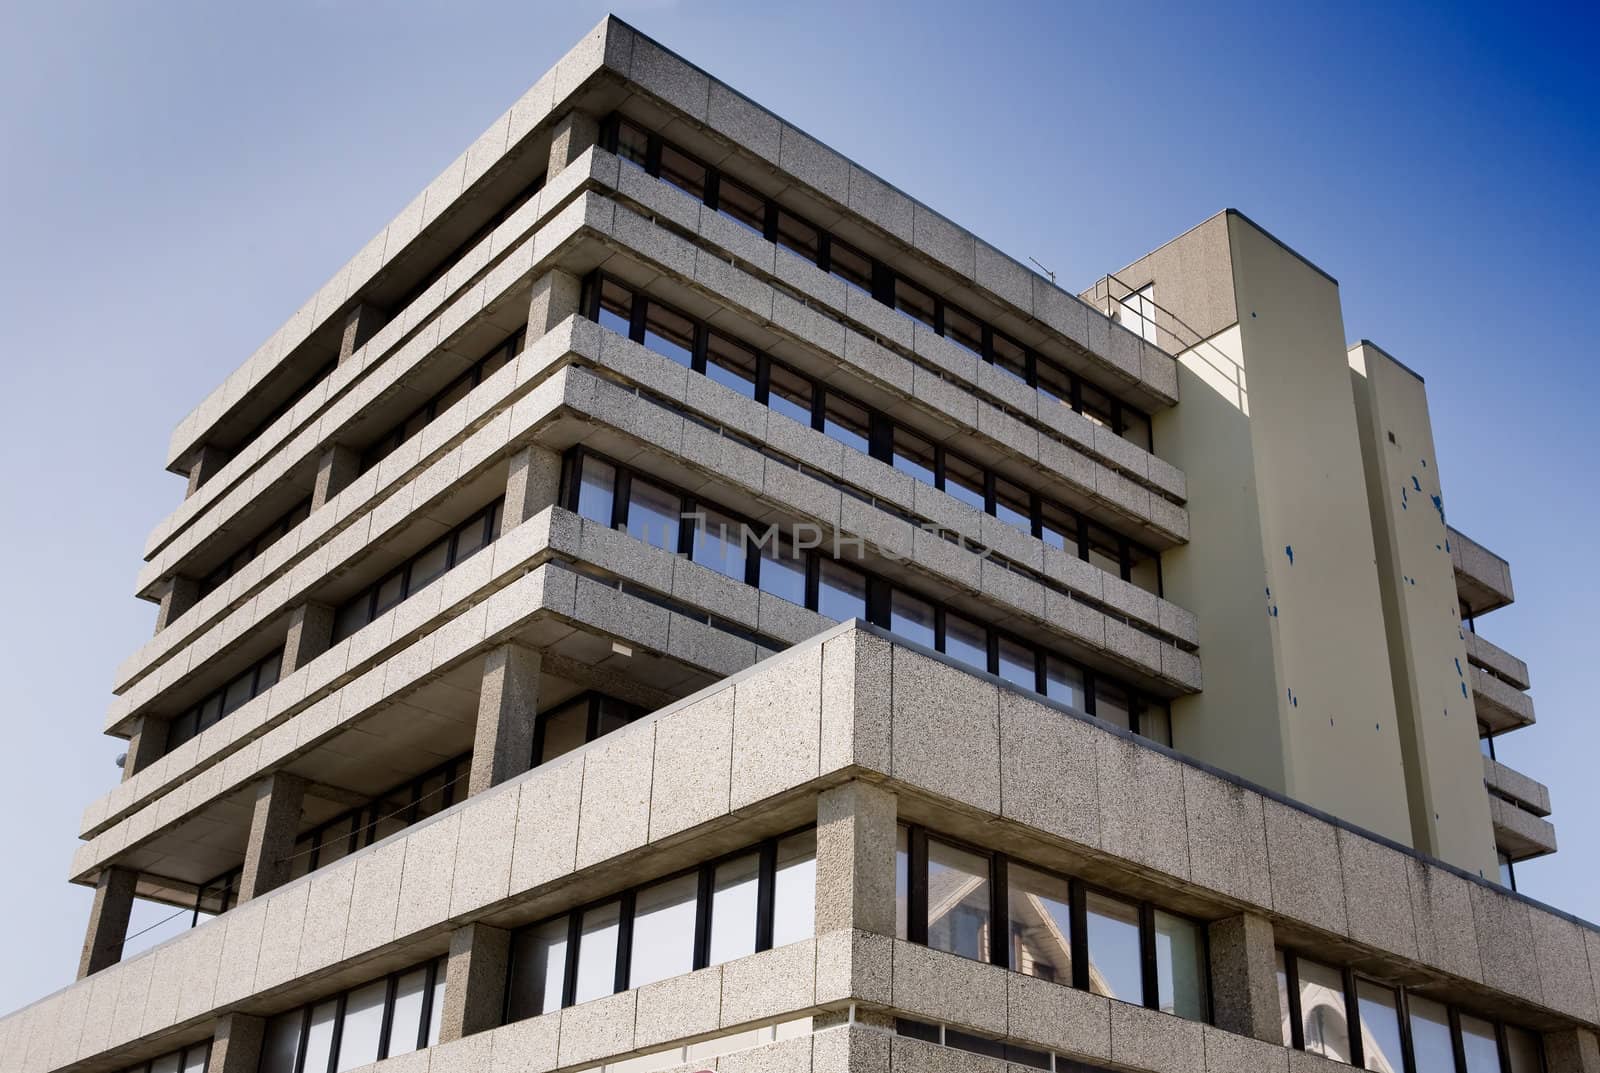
(179, 177)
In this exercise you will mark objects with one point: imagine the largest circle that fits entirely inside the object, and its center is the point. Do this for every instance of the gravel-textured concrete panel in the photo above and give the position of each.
(679, 1007)
(854, 964)
(597, 1029)
(1505, 940)
(1227, 1052)
(784, 1056)
(945, 987)
(375, 898)
(1149, 1039)
(946, 730)
(1227, 837)
(850, 1050)
(615, 812)
(1142, 816)
(1057, 1017)
(916, 1056)
(1441, 905)
(241, 948)
(855, 863)
(768, 984)
(469, 1054)
(693, 766)
(483, 850)
(1377, 895)
(327, 915)
(777, 727)
(527, 1046)
(427, 874)
(1563, 964)
(280, 943)
(1048, 770)
(1303, 863)
(161, 1003)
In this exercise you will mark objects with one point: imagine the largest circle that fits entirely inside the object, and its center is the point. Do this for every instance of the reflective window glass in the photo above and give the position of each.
(1522, 1048)
(1323, 1019)
(731, 365)
(435, 1005)
(783, 570)
(597, 952)
(472, 536)
(841, 591)
(1059, 527)
(616, 308)
(733, 908)
(1017, 664)
(654, 514)
(167, 1063)
(633, 144)
(663, 931)
(1431, 1046)
(1380, 1027)
(597, 484)
(1111, 703)
(362, 1025)
(1283, 1001)
(1064, 682)
(966, 641)
(433, 562)
(794, 889)
(1009, 356)
(913, 301)
(539, 969)
(850, 265)
(958, 901)
(741, 205)
(902, 879)
(281, 1044)
(669, 333)
(911, 618)
(196, 1058)
(845, 422)
(962, 329)
(406, 1022)
(319, 1037)
(1478, 1045)
(964, 480)
(684, 172)
(914, 455)
(797, 235)
(1011, 505)
(1180, 966)
(789, 394)
(719, 543)
(1040, 919)
(238, 691)
(564, 730)
(391, 590)
(1113, 933)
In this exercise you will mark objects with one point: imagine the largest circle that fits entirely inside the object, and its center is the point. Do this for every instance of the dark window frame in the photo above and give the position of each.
(434, 966)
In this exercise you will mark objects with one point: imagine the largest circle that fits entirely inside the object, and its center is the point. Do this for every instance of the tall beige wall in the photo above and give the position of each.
(1427, 652)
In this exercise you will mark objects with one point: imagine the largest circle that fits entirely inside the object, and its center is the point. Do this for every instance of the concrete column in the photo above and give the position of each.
(210, 459)
(181, 594)
(360, 324)
(534, 484)
(574, 134)
(273, 828)
(556, 296)
(310, 634)
(148, 744)
(1572, 1050)
(338, 466)
(502, 746)
(1244, 977)
(855, 859)
(474, 981)
(108, 920)
(236, 1044)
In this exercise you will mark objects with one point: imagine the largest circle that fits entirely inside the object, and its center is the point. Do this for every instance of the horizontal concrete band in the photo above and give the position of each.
(1494, 658)
(961, 750)
(1518, 833)
(416, 476)
(1499, 706)
(1071, 450)
(616, 49)
(1533, 795)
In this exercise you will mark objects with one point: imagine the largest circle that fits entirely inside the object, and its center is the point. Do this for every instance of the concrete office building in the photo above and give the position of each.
(673, 601)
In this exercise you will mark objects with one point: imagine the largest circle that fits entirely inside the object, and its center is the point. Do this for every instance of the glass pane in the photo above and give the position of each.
(669, 333)
(963, 480)
(1058, 527)
(683, 172)
(351, 617)
(663, 930)
(1040, 921)
(733, 908)
(1180, 966)
(616, 308)
(167, 1063)
(281, 1044)
(390, 591)
(902, 879)
(1104, 556)
(966, 641)
(1144, 568)
(1155, 722)
(783, 571)
(1135, 427)
(962, 329)
(841, 592)
(633, 144)
(653, 514)
(1017, 664)
(1430, 1036)
(741, 205)
(1322, 1012)
(407, 1020)
(797, 235)
(430, 564)
(1096, 404)
(615, 714)
(454, 393)
(1380, 1027)
(210, 711)
(564, 730)
(845, 422)
(319, 1040)
(914, 455)
(363, 1023)
(1283, 1001)
(911, 618)
(597, 484)
(731, 365)
(1009, 356)
(794, 890)
(538, 969)
(1011, 505)
(719, 544)
(1063, 682)
(196, 1058)
(239, 690)
(1479, 1046)
(1114, 966)
(1111, 703)
(267, 672)
(913, 301)
(958, 901)
(436, 1004)
(1522, 1047)
(790, 394)
(597, 952)
(850, 265)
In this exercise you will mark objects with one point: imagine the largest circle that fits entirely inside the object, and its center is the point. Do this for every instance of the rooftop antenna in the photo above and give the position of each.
(1043, 269)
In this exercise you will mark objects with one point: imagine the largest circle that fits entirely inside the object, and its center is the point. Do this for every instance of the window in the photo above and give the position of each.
(753, 900)
(263, 540)
(1011, 505)
(346, 1031)
(393, 810)
(1017, 664)
(742, 205)
(252, 682)
(654, 514)
(1059, 528)
(615, 308)
(1379, 1009)
(850, 265)
(964, 480)
(966, 641)
(790, 394)
(1430, 1036)
(719, 543)
(1478, 1045)
(191, 1059)
(1053, 927)
(912, 619)
(585, 718)
(683, 171)
(798, 236)
(783, 570)
(633, 144)
(846, 422)
(962, 329)
(1009, 356)
(1323, 1023)
(1111, 704)
(669, 333)
(841, 591)
(731, 365)
(916, 456)
(1064, 682)
(597, 486)
(914, 302)
(1137, 312)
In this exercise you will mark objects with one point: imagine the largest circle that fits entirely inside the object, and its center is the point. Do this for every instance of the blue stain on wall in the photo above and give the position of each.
(1414, 483)
(1458, 666)
(1438, 505)
(1404, 503)
(1464, 689)
(1288, 549)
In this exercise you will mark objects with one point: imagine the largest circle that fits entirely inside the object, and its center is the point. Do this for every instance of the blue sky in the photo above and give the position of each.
(179, 177)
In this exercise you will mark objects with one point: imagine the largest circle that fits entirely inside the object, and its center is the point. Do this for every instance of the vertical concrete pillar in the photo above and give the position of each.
(1244, 977)
(360, 324)
(574, 134)
(474, 981)
(180, 595)
(508, 704)
(556, 296)
(1572, 1050)
(310, 634)
(338, 466)
(108, 920)
(148, 743)
(273, 828)
(856, 859)
(206, 463)
(236, 1044)
(533, 484)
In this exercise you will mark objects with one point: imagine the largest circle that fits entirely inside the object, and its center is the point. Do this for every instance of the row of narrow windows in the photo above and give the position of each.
(765, 217)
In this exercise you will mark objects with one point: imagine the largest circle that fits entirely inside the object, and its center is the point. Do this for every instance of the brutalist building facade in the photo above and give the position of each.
(675, 601)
